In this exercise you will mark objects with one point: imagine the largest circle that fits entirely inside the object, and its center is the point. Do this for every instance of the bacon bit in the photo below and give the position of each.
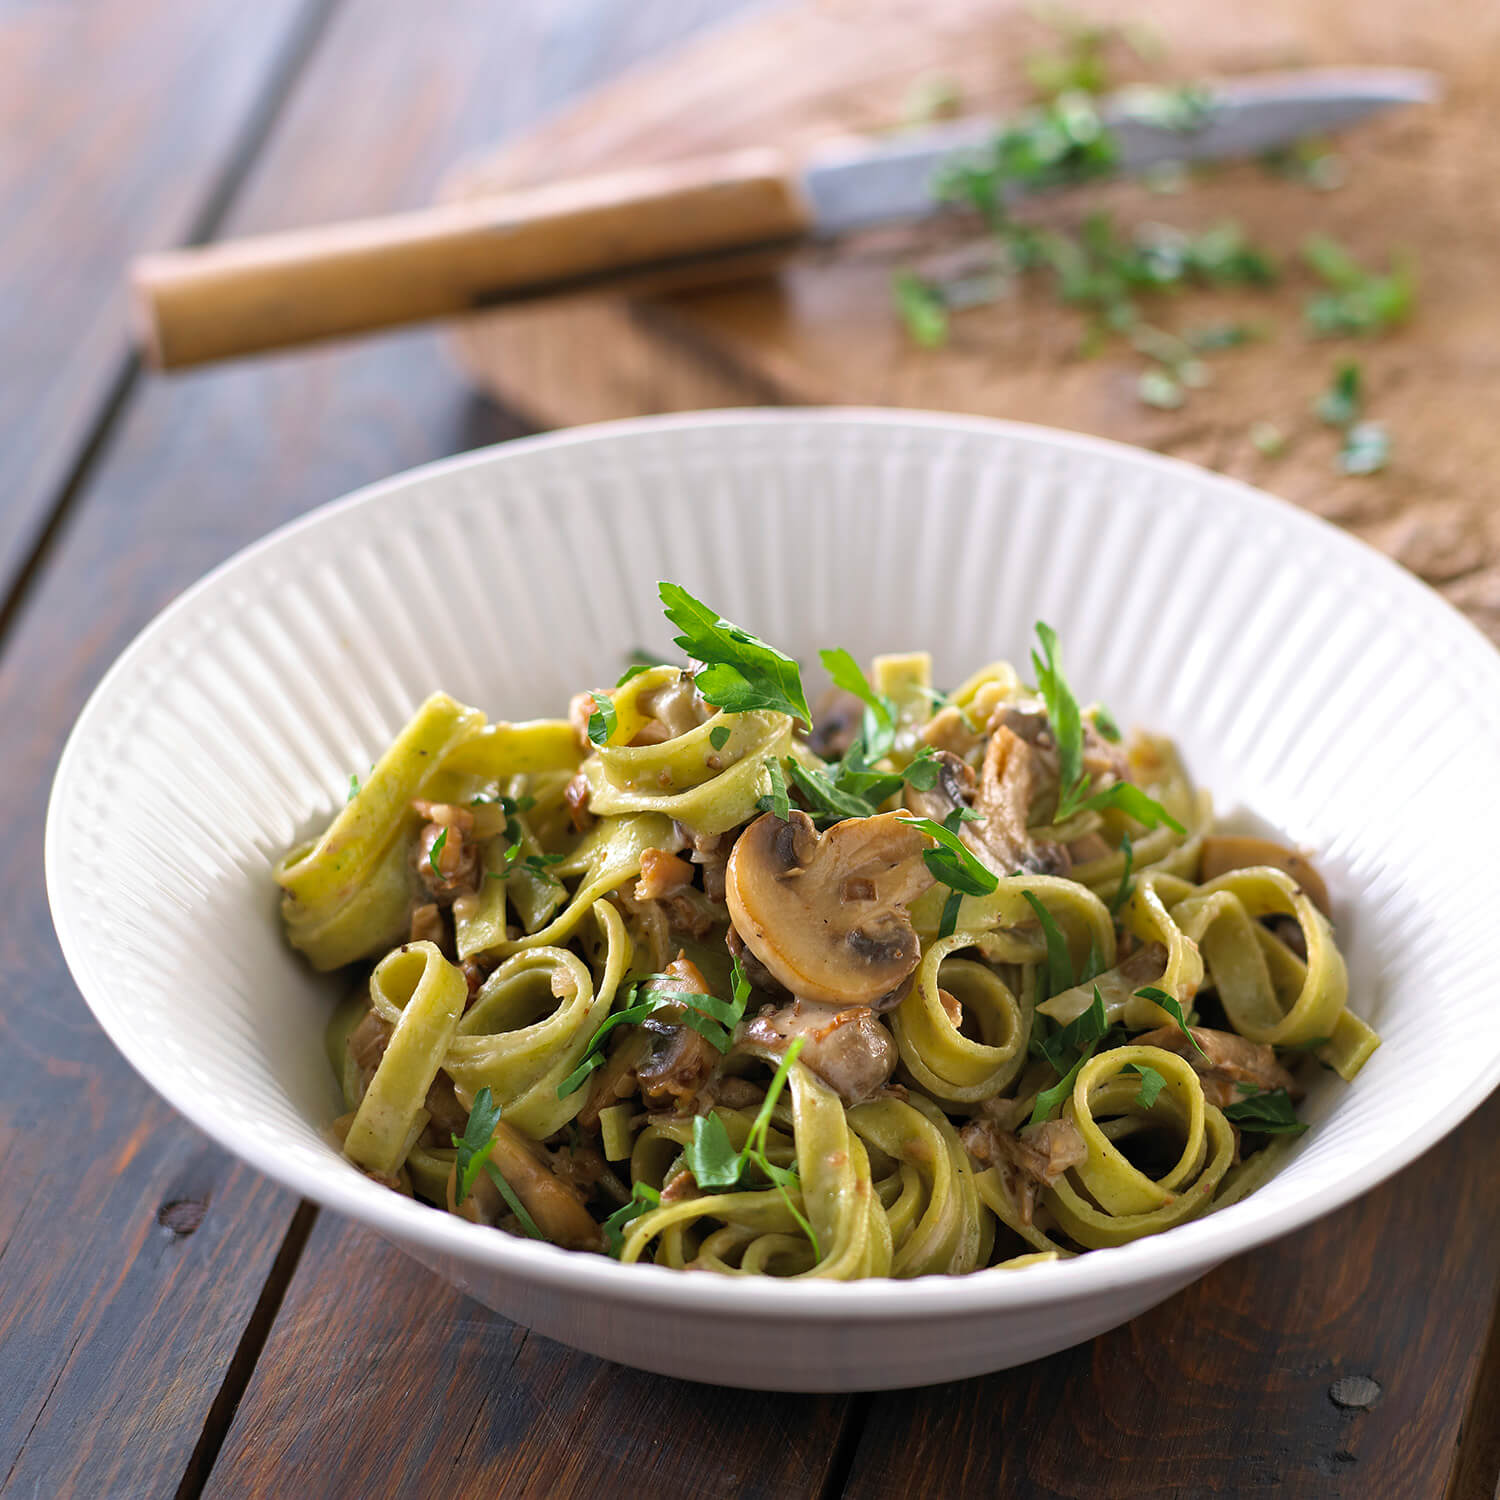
(576, 795)
(661, 873)
(447, 814)
(454, 868)
(681, 1187)
(427, 924)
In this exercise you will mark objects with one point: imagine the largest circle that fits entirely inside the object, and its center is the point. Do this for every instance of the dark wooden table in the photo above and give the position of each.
(172, 1323)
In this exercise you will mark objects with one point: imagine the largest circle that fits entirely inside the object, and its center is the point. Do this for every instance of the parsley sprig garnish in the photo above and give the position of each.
(741, 673)
(1067, 730)
(953, 863)
(715, 1164)
(474, 1148)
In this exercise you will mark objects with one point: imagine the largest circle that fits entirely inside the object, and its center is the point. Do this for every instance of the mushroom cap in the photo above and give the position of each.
(826, 913)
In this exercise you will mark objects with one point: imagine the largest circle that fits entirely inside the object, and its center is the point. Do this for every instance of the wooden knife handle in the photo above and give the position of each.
(652, 225)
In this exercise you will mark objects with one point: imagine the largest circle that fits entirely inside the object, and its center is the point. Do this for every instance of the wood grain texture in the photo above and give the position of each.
(105, 1311)
(418, 1391)
(824, 331)
(1225, 1390)
(121, 123)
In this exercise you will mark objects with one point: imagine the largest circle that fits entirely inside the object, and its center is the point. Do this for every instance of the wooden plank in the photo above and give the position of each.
(824, 331)
(125, 122)
(105, 1312)
(412, 1389)
(1232, 1387)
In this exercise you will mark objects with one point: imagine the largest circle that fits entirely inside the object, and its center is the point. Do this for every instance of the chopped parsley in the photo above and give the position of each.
(922, 307)
(776, 800)
(1067, 1049)
(1366, 447)
(1067, 729)
(741, 673)
(437, 849)
(474, 1148)
(1152, 1083)
(712, 1018)
(718, 736)
(603, 720)
(643, 1198)
(1358, 302)
(715, 1164)
(953, 863)
(1170, 1004)
(353, 788)
(1059, 959)
(1268, 1112)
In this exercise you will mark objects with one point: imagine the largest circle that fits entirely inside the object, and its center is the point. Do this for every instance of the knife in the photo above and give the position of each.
(660, 228)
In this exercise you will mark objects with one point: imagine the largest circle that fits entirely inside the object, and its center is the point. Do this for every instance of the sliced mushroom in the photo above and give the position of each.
(848, 1047)
(1002, 796)
(558, 1210)
(1224, 1061)
(787, 888)
(1030, 1160)
(1224, 852)
(681, 1059)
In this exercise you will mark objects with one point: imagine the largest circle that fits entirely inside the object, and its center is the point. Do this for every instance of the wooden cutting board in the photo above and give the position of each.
(1420, 182)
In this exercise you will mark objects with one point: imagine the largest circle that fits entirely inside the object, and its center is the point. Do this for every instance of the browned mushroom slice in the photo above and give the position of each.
(789, 891)
(554, 1205)
(1225, 852)
(848, 1048)
(1002, 796)
(1223, 1060)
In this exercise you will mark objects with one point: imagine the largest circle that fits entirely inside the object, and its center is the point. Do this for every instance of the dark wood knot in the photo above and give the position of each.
(182, 1215)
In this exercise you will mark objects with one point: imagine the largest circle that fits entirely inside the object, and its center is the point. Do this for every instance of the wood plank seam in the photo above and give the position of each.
(223, 190)
(846, 1445)
(247, 1353)
(1475, 1472)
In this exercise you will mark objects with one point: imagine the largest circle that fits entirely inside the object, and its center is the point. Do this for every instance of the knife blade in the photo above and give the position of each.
(859, 185)
(661, 228)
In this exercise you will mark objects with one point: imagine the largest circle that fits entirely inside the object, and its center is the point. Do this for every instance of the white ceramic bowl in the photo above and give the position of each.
(1306, 677)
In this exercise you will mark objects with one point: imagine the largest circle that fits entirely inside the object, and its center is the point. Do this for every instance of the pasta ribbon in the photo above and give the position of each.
(607, 855)
(530, 1024)
(935, 1218)
(347, 894)
(1109, 1201)
(949, 1065)
(1268, 993)
(687, 778)
(422, 995)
